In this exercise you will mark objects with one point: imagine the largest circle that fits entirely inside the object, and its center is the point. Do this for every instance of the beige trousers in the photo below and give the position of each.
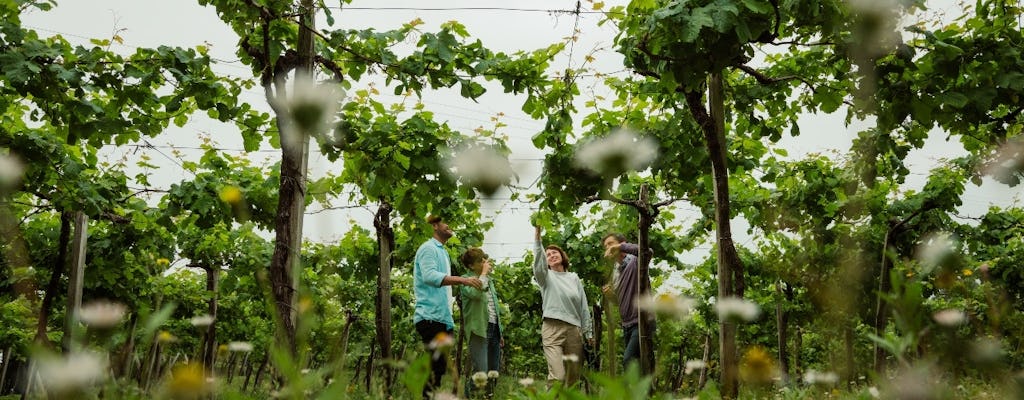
(562, 340)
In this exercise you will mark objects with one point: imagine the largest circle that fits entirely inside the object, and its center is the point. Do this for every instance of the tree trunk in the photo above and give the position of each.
(75, 278)
(8, 353)
(125, 359)
(59, 265)
(677, 382)
(152, 362)
(884, 285)
(386, 245)
(369, 366)
(291, 205)
(730, 267)
(210, 338)
(645, 328)
(459, 367)
(611, 350)
(798, 344)
(706, 359)
(341, 356)
(598, 314)
(260, 371)
(782, 325)
(848, 374)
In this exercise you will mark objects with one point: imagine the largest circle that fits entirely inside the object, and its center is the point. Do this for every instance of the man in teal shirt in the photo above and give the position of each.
(431, 281)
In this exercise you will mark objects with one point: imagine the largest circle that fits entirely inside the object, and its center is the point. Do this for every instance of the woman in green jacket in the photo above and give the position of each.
(480, 311)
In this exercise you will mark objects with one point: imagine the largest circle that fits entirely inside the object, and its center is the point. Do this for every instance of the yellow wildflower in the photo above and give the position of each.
(231, 195)
(166, 337)
(188, 381)
(757, 366)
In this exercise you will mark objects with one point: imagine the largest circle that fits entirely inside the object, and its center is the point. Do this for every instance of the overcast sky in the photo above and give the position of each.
(151, 23)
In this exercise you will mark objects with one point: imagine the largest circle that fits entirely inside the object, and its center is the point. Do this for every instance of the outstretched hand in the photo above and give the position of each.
(476, 283)
(536, 234)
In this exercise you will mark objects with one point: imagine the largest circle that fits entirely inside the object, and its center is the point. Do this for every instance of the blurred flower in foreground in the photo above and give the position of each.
(914, 382)
(736, 308)
(201, 321)
(441, 343)
(1007, 164)
(481, 167)
(241, 347)
(187, 381)
(10, 171)
(986, 351)
(812, 377)
(102, 314)
(526, 381)
(310, 108)
(935, 250)
(621, 151)
(445, 396)
(693, 365)
(667, 304)
(757, 366)
(230, 194)
(492, 374)
(570, 358)
(77, 371)
(950, 317)
(480, 379)
(166, 337)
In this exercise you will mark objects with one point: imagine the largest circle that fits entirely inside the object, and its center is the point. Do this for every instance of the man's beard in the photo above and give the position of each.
(444, 234)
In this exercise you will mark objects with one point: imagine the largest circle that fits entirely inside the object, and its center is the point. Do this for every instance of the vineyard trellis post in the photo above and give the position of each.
(75, 277)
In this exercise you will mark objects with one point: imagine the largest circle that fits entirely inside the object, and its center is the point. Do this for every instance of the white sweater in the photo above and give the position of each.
(562, 294)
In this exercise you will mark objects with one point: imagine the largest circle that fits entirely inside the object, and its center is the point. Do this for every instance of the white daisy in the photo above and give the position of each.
(732, 307)
(102, 314)
(621, 151)
(481, 167)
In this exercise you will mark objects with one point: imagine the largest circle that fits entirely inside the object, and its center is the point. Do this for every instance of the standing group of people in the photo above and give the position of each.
(566, 312)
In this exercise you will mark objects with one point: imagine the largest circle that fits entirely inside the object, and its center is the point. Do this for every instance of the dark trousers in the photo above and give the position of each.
(429, 330)
(631, 335)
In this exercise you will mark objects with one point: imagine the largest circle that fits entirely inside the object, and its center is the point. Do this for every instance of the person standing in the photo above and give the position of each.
(566, 312)
(432, 281)
(624, 278)
(482, 319)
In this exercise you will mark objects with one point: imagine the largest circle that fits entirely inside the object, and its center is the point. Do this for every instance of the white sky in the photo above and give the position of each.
(151, 23)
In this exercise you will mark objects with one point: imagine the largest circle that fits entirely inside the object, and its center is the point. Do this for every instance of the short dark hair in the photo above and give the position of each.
(472, 256)
(434, 219)
(565, 258)
(618, 237)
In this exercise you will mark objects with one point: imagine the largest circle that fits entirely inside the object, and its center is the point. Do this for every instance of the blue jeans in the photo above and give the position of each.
(485, 355)
(631, 335)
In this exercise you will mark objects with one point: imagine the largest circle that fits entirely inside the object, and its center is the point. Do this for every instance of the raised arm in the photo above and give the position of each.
(540, 265)
(629, 248)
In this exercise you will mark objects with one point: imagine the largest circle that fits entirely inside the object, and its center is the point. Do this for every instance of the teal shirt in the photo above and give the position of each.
(474, 307)
(432, 265)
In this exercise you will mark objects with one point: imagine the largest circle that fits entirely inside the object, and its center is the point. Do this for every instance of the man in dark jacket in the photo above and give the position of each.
(624, 284)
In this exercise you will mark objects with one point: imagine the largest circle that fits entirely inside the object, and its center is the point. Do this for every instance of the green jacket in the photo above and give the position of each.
(474, 307)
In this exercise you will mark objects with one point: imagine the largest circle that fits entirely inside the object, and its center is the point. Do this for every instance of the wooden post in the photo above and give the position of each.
(643, 281)
(706, 359)
(386, 245)
(729, 265)
(210, 338)
(8, 352)
(75, 275)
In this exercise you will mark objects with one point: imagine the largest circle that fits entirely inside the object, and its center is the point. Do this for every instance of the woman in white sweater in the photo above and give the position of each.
(566, 312)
